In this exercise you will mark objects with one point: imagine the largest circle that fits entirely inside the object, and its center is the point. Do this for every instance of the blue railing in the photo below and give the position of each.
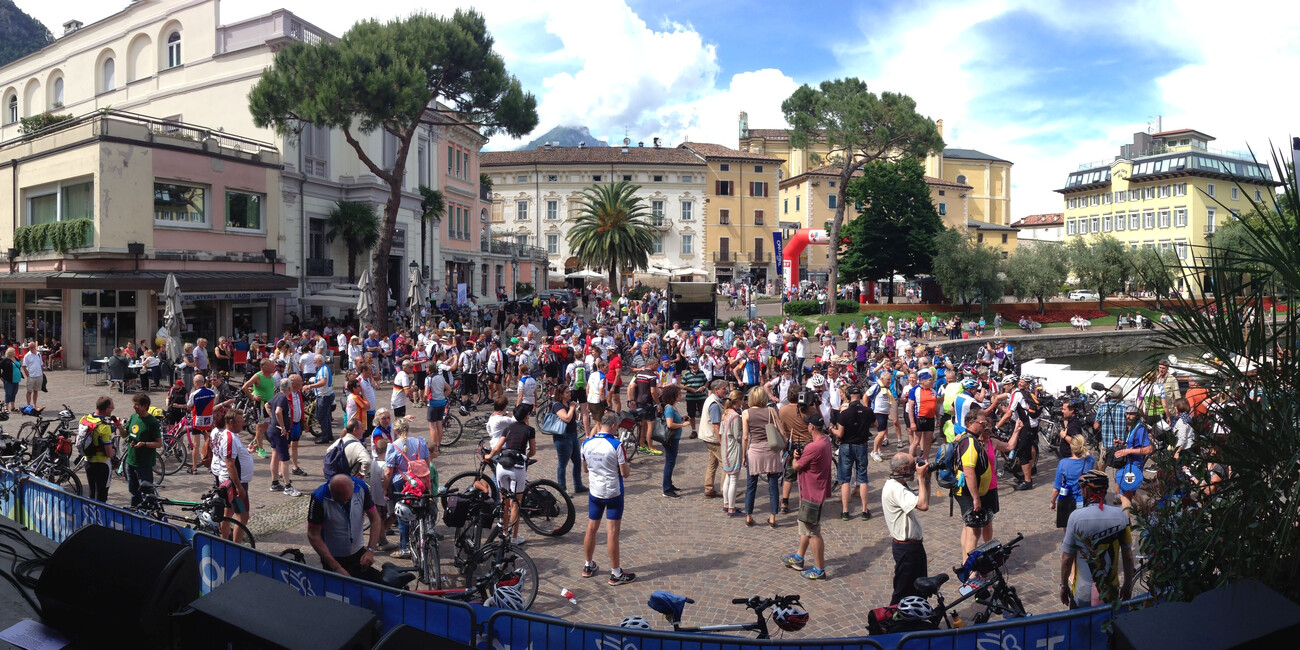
(56, 514)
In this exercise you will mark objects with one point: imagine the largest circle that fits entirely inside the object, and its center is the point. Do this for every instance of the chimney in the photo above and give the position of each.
(656, 143)
(72, 26)
(640, 143)
(582, 145)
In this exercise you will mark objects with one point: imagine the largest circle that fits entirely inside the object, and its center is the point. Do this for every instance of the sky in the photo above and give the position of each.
(1048, 85)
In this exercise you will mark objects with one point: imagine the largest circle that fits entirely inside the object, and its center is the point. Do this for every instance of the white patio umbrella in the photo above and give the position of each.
(365, 301)
(586, 275)
(657, 272)
(690, 270)
(173, 317)
(415, 302)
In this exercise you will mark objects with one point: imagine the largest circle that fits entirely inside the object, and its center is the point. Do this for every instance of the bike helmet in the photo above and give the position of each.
(977, 518)
(816, 381)
(1008, 380)
(464, 410)
(969, 384)
(635, 622)
(404, 512)
(507, 598)
(790, 618)
(914, 608)
(1094, 479)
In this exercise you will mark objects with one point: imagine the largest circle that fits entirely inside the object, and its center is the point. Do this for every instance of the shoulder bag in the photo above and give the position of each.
(775, 441)
(810, 513)
(552, 425)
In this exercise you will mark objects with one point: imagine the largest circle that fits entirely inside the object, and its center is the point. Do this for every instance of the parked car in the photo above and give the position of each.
(565, 296)
(1084, 294)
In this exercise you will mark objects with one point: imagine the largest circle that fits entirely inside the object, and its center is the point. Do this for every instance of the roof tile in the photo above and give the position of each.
(710, 150)
(1041, 220)
(590, 155)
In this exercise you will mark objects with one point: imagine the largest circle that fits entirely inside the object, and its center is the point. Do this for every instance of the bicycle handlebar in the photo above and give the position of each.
(734, 601)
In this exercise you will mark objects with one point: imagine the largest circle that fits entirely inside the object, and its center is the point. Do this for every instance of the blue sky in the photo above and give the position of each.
(1047, 84)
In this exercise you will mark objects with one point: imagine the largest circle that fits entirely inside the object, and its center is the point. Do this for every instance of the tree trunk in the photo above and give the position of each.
(1041, 309)
(890, 284)
(613, 282)
(380, 256)
(833, 246)
(352, 265)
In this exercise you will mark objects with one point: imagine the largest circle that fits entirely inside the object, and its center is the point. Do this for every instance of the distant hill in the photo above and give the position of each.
(20, 34)
(562, 136)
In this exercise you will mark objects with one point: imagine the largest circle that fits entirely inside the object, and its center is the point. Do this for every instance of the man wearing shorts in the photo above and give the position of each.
(278, 434)
(854, 432)
(512, 451)
(606, 466)
(232, 464)
(813, 466)
(1024, 406)
(694, 385)
(435, 387)
(977, 484)
(496, 367)
(923, 404)
(261, 387)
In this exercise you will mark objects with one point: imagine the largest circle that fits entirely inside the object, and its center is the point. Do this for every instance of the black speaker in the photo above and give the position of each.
(405, 636)
(103, 579)
(253, 612)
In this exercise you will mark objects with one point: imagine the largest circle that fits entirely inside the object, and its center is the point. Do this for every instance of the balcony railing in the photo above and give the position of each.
(760, 258)
(726, 258)
(319, 267)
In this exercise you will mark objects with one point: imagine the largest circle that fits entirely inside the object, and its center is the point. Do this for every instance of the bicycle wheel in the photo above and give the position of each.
(546, 508)
(628, 438)
(451, 430)
(1051, 435)
(430, 564)
(465, 480)
(512, 558)
(177, 454)
(64, 478)
(237, 528)
(26, 432)
(475, 426)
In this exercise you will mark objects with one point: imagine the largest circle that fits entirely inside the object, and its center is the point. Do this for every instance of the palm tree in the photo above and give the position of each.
(357, 225)
(612, 229)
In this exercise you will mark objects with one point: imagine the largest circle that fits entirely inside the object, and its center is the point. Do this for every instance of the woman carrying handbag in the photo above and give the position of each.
(762, 453)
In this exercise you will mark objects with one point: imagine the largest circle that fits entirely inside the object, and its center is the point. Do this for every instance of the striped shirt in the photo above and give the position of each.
(694, 379)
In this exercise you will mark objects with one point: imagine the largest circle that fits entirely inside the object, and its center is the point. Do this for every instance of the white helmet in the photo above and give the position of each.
(914, 608)
(635, 622)
(507, 597)
(404, 512)
(816, 381)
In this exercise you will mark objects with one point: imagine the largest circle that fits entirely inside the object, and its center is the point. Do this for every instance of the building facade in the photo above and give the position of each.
(1038, 228)
(739, 212)
(536, 193)
(1166, 190)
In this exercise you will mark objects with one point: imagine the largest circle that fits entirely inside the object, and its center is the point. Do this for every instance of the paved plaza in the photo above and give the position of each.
(686, 545)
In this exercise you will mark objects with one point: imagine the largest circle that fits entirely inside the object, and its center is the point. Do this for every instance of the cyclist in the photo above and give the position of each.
(232, 465)
(261, 387)
(516, 445)
(144, 437)
(1099, 537)
(606, 467)
(335, 527)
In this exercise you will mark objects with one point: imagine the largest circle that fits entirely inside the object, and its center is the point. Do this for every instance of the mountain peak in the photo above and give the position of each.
(565, 136)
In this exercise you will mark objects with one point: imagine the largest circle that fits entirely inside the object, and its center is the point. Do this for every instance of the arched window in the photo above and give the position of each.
(961, 178)
(58, 92)
(11, 110)
(174, 50)
(110, 81)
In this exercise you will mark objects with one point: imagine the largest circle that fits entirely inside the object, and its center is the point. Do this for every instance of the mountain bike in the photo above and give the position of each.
(671, 606)
(496, 556)
(544, 506)
(452, 429)
(41, 426)
(423, 541)
(47, 457)
(208, 514)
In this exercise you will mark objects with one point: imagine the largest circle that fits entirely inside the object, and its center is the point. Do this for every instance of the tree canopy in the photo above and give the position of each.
(1037, 271)
(859, 127)
(1102, 264)
(612, 229)
(357, 225)
(896, 227)
(394, 77)
(966, 271)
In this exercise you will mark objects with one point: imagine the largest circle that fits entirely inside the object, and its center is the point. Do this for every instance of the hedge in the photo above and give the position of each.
(813, 308)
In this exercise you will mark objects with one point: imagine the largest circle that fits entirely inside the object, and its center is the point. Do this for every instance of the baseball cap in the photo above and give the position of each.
(855, 390)
(665, 358)
(924, 374)
(815, 419)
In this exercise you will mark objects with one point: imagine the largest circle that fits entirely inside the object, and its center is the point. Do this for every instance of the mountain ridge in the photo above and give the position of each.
(565, 136)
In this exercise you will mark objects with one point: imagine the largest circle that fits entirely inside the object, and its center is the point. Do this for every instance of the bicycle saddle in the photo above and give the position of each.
(147, 485)
(669, 604)
(394, 577)
(930, 586)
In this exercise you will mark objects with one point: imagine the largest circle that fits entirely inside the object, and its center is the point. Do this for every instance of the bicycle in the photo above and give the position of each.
(484, 588)
(252, 411)
(544, 506)
(209, 514)
(497, 552)
(47, 457)
(787, 613)
(159, 469)
(423, 541)
(41, 426)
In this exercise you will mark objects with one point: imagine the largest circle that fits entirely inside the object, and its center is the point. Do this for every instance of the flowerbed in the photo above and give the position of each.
(1060, 316)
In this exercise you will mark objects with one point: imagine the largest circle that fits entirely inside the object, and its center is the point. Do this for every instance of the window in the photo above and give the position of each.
(961, 178)
(315, 142)
(243, 210)
(1120, 221)
(1235, 194)
(1105, 198)
(724, 167)
(758, 217)
(785, 206)
(1180, 248)
(1259, 196)
(1149, 193)
(1165, 245)
(832, 184)
(687, 178)
(521, 211)
(1107, 223)
(458, 158)
(830, 201)
(422, 162)
(1236, 214)
(1164, 218)
(552, 244)
(724, 188)
(1209, 221)
(110, 78)
(520, 179)
(657, 178)
(1096, 224)
(1149, 219)
(1120, 196)
(1209, 189)
(11, 110)
(552, 210)
(979, 239)
(1004, 238)
(1071, 227)
(757, 189)
(521, 240)
(1180, 217)
(174, 50)
(390, 150)
(796, 203)
(1133, 195)
(724, 217)
(688, 244)
(724, 249)
(1069, 204)
(657, 213)
(552, 178)
(688, 211)
(627, 177)
(1094, 199)
(58, 92)
(1180, 189)
(177, 204)
(758, 169)
(595, 178)
(62, 204)
(941, 193)
(943, 208)
(1134, 221)
(657, 245)
(464, 155)
(1165, 192)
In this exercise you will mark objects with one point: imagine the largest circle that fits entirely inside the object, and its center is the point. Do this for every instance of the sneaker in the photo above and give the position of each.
(582, 489)
(291, 491)
(1023, 486)
(814, 574)
(885, 442)
(297, 471)
(655, 452)
(276, 487)
(875, 455)
(785, 506)
(672, 494)
(589, 569)
(793, 561)
(844, 516)
(263, 453)
(518, 541)
(643, 450)
(621, 579)
(866, 514)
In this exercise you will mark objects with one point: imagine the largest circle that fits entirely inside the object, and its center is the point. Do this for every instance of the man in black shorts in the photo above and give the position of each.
(1027, 409)
(977, 489)
(496, 368)
(644, 393)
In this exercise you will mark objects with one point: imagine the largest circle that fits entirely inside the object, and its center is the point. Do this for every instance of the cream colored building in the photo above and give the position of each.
(740, 212)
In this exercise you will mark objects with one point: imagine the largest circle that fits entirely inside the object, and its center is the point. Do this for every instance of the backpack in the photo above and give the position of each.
(1033, 408)
(336, 459)
(580, 378)
(86, 442)
(947, 463)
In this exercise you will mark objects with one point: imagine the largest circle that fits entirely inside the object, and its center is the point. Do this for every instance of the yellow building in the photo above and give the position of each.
(740, 214)
(1166, 191)
(808, 200)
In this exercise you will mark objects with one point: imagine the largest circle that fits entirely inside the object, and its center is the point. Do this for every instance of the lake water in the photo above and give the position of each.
(1127, 364)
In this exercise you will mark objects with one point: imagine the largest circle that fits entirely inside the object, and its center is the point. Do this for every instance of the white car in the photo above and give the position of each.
(1084, 294)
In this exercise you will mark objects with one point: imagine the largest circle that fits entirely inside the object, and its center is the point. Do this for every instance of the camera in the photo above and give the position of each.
(920, 462)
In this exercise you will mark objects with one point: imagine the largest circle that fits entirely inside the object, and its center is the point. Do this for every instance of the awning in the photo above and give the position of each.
(192, 283)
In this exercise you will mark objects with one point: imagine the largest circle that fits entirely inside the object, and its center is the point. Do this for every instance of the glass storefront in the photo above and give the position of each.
(9, 314)
(200, 320)
(44, 309)
(108, 320)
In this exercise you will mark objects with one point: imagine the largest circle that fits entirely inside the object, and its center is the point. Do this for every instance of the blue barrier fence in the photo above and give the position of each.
(220, 561)
(55, 513)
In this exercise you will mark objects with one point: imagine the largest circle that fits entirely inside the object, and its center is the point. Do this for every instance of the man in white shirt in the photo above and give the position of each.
(527, 390)
(606, 466)
(34, 371)
(496, 367)
(401, 390)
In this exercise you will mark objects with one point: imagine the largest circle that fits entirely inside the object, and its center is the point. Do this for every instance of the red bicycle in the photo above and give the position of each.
(499, 587)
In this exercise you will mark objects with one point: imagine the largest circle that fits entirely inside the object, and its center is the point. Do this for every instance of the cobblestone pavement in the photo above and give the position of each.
(686, 545)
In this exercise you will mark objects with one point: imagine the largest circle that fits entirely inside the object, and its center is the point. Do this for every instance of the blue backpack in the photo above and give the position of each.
(947, 463)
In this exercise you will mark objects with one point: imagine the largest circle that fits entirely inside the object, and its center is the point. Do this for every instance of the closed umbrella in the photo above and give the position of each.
(173, 318)
(365, 301)
(415, 302)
